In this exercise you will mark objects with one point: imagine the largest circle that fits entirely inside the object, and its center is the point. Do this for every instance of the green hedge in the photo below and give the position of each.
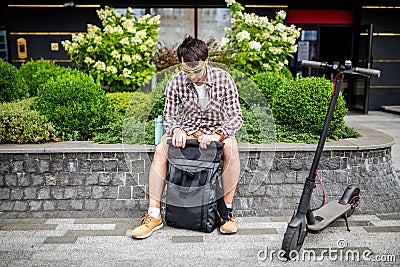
(20, 123)
(299, 107)
(130, 108)
(37, 73)
(276, 108)
(12, 85)
(75, 105)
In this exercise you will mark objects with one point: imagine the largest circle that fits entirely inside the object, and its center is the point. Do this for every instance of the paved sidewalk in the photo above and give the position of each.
(386, 122)
(106, 242)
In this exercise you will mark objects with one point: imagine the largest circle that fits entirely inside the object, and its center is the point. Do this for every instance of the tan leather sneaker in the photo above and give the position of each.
(147, 226)
(228, 226)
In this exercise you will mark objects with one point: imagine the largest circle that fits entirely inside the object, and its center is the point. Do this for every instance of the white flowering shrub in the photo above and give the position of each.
(118, 54)
(256, 44)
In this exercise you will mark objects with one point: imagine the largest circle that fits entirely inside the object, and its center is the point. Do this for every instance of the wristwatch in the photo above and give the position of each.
(221, 134)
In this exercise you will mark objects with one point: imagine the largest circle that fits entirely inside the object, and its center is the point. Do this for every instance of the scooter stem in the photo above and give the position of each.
(304, 205)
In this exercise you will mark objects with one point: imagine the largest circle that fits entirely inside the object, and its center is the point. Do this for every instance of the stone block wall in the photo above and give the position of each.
(279, 193)
(114, 184)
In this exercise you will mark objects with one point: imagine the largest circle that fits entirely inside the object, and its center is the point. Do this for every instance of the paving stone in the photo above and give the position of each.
(187, 239)
(382, 229)
(256, 231)
(26, 227)
(60, 240)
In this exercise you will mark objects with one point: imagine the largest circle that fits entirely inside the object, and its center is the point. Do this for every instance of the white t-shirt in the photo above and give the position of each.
(202, 94)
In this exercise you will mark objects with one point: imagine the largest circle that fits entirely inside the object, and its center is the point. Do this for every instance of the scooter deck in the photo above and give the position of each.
(328, 213)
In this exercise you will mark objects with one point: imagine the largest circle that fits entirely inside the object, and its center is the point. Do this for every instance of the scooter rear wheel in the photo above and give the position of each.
(290, 241)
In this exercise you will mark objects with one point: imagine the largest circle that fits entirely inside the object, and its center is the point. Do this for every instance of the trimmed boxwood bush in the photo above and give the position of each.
(75, 105)
(37, 73)
(271, 82)
(12, 85)
(127, 105)
(140, 129)
(299, 107)
(20, 123)
(304, 102)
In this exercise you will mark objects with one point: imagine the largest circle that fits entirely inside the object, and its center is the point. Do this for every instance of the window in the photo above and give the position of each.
(175, 23)
(3, 45)
(212, 23)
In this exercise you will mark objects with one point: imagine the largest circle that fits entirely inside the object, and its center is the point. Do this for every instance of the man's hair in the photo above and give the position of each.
(192, 50)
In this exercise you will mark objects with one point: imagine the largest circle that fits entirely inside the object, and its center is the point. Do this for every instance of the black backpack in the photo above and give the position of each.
(193, 186)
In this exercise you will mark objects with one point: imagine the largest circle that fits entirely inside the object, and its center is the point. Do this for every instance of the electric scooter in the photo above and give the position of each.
(306, 219)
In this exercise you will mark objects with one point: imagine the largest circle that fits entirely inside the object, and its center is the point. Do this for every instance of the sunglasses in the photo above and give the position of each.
(196, 71)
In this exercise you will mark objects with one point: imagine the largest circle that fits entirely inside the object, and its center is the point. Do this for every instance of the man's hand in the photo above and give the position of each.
(179, 138)
(206, 139)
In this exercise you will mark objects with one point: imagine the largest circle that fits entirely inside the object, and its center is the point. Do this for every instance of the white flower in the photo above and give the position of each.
(126, 58)
(118, 30)
(117, 14)
(88, 60)
(266, 65)
(136, 39)
(282, 14)
(141, 34)
(251, 19)
(126, 73)
(275, 50)
(263, 21)
(155, 20)
(255, 45)
(124, 41)
(280, 27)
(98, 39)
(78, 38)
(66, 44)
(74, 46)
(136, 58)
(143, 18)
(143, 48)
(224, 41)
(243, 35)
(108, 29)
(129, 25)
(103, 14)
(100, 65)
(92, 28)
(293, 49)
(115, 54)
(230, 2)
(112, 69)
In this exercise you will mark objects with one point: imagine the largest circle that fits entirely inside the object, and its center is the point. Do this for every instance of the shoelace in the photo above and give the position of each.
(230, 219)
(146, 220)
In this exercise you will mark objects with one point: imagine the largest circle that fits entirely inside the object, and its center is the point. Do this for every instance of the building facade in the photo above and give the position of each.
(364, 31)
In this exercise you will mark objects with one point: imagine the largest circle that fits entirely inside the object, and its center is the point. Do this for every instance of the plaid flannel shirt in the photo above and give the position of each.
(223, 109)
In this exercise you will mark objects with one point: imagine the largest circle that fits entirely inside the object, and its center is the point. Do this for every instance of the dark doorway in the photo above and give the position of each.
(336, 44)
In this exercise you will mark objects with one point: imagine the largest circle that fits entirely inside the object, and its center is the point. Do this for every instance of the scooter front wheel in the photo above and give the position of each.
(291, 241)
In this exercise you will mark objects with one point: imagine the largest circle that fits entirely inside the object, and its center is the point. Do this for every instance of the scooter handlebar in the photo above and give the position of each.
(311, 64)
(319, 65)
(369, 72)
